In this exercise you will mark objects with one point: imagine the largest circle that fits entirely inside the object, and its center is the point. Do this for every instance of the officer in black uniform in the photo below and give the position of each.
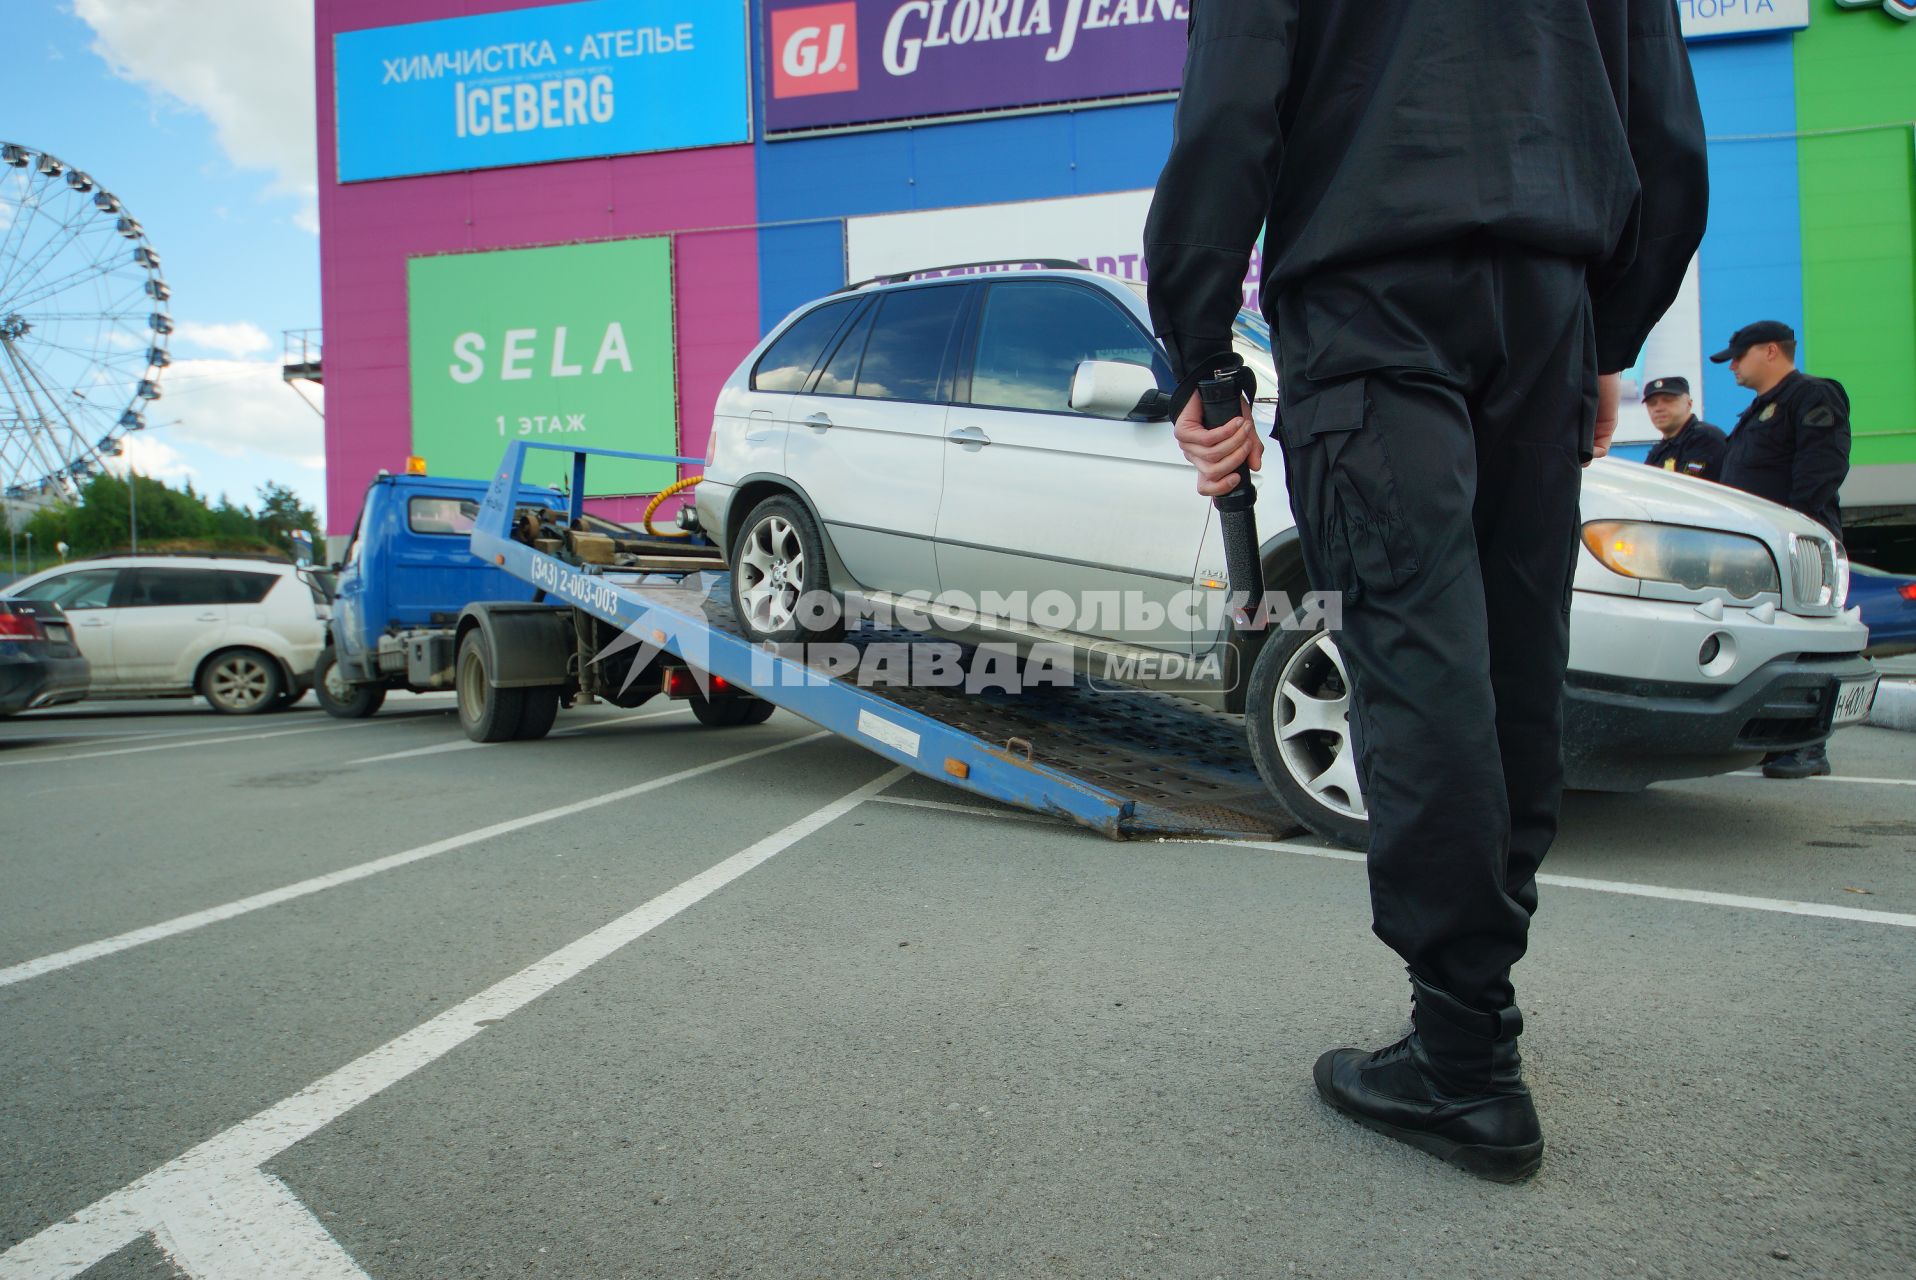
(1690, 446)
(1469, 216)
(1790, 446)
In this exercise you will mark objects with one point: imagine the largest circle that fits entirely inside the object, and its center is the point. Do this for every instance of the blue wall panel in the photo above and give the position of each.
(1752, 262)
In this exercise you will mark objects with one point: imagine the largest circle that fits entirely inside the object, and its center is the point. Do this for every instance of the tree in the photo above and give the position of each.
(281, 512)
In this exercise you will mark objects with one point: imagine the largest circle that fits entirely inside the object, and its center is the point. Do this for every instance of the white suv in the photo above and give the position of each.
(241, 632)
(999, 437)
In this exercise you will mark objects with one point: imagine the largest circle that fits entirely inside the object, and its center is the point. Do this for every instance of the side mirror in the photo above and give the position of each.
(1115, 389)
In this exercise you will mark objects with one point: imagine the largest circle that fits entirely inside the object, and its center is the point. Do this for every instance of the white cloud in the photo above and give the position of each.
(246, 64)
(242, 410)
(239, 339)
(152, 457)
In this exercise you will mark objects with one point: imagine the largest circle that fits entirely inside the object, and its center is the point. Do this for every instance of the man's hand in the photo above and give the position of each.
(1217, 452)
(1609, 405)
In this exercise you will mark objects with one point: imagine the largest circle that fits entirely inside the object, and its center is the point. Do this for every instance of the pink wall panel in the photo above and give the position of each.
(369, 230)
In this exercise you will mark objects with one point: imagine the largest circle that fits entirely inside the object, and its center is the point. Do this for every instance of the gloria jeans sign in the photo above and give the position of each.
(605, 77)
(863, 62)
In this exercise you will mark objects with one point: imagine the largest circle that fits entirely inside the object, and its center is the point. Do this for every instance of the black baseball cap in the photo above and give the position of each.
(1666, 387)
(1751, 335)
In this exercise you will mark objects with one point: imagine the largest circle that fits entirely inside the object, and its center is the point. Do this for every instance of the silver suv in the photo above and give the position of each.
(997, 443)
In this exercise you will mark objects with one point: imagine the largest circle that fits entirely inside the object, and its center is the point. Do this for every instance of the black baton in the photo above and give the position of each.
(1221, 397)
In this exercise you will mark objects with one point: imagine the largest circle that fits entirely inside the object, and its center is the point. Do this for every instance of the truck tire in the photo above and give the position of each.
(1297, 712)
(242, 682)
(730, 712)
(343, 700)
(778, 563)
(541, 708)
(486, 712)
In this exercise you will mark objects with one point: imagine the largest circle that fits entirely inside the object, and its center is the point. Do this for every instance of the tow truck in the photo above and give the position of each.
(621, 616)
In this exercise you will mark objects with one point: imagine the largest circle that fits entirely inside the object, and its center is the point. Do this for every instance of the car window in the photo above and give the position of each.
(441, 515)
(81, 589)
(905, 359)
(163, 588)
(247, 588)
(841, 375)
(1033, 336)
(788, 362)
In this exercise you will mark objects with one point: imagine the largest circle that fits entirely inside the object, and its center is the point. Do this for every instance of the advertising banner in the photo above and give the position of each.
(569, 345)
(602, 78)
(862, 62)
(1106, 233)
(1707, 19)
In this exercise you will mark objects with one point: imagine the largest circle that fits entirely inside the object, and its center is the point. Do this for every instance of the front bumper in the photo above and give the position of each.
(30, 682)
(1622, 733)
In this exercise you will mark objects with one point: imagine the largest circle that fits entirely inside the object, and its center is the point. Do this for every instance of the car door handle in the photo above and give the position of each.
(94, 622)
(821, 421)
(970, 437)
(208, 617)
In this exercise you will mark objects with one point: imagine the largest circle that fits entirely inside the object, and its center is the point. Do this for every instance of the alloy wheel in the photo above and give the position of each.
(1313, 727)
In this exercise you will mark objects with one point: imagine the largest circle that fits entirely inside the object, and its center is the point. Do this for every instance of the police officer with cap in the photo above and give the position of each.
(1689, 446)
(1473, 214)
(1790, 446)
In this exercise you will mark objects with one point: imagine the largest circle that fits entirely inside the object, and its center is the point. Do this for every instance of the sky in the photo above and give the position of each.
(198, 114)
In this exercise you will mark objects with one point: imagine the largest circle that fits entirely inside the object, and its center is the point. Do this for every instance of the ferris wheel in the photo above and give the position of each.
(83, 325)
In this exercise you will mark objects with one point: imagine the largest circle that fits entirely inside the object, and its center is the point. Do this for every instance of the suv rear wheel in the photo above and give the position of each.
(781, 588)
(242, 682)
(1297, 716)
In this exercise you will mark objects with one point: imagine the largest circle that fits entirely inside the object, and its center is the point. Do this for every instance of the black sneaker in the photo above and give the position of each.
(1453, 1087)
(1804, 762)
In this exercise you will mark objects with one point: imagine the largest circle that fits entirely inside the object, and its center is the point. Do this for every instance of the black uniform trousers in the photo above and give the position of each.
(1436, 409)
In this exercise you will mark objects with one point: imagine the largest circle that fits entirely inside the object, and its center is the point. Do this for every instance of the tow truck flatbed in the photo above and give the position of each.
(1128, 763)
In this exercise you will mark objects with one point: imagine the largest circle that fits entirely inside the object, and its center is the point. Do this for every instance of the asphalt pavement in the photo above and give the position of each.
(285, 996)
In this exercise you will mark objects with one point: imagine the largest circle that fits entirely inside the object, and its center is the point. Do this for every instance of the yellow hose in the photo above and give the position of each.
(659, 501)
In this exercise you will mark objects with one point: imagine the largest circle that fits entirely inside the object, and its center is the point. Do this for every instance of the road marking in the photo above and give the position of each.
(218, 741)
(679, 710)
(218, 1216)
(445, 747)
(287, 893)
(1879, 782)
(945, 806)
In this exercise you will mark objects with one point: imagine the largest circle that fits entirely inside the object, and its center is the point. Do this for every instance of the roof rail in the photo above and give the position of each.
(900, 277)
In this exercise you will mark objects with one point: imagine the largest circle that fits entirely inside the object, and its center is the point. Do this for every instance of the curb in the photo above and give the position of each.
(1895, 706)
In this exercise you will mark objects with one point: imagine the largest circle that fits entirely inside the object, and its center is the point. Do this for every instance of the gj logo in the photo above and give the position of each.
(815, 50)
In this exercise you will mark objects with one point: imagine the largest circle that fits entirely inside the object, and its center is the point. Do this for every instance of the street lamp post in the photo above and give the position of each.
(29, 551)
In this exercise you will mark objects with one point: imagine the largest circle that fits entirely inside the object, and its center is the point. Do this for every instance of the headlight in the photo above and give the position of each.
(1694, 558)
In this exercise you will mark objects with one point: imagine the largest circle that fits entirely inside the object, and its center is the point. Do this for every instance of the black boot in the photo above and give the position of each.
(1804, 762)
(1453, 1087)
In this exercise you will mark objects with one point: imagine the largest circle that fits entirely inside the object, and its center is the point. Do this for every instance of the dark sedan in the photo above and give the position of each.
(40, 666)
(1888, 601)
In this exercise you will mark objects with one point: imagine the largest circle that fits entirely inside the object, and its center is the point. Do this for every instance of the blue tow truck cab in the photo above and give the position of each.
(408, 574)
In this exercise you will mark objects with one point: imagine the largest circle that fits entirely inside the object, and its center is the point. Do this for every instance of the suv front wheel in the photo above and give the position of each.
(781, 588)
(1297, 716)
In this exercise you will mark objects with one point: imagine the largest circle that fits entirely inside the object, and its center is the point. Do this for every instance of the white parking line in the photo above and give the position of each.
(445, 747)
(1783, 906)
(217, 741)
(273, 897)
(217, 1215)
(1879, 782)
(946, 806)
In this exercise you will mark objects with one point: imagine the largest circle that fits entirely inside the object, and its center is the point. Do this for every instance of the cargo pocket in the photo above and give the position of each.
(1362, 524)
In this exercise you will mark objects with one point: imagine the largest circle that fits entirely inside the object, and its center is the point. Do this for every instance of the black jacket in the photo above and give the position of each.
(1695, 450)
(1355, 129)
(1792, 446)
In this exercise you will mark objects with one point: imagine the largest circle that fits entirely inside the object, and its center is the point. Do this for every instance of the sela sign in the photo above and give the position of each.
(562, 82)
(567, 345)
(865, 62)
(1709, 19)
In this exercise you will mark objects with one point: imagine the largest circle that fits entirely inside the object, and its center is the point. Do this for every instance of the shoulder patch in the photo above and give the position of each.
(1821, 416)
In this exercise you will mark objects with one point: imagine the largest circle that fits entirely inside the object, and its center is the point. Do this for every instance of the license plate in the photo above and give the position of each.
(57, 633)
(1853, 698)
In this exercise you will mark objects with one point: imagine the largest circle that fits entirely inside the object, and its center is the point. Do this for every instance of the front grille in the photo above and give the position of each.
(1815, 574)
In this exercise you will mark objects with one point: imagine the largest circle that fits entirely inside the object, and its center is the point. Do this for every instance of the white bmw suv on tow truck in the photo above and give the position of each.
(994, 442)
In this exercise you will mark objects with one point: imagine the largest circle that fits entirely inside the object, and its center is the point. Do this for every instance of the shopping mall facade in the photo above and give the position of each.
(569, 221)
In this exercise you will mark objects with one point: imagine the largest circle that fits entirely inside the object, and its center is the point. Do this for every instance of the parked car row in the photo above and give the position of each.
(242, 632)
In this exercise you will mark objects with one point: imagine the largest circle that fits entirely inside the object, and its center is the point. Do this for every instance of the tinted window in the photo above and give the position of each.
(841, 375)
(905, 359)
(441, 515)
(161, 588)
(1034, 335)
(247, 588)
(82, 589)
(789, 361)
